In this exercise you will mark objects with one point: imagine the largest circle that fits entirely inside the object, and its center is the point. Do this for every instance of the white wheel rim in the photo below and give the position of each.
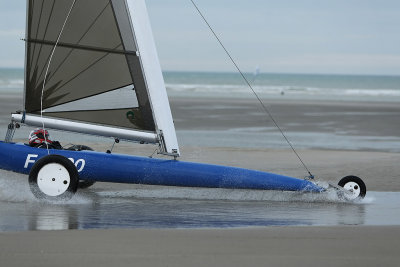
(53, 179)
(353, 190)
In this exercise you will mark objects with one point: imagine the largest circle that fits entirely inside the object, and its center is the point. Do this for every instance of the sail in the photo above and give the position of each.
(104, 55)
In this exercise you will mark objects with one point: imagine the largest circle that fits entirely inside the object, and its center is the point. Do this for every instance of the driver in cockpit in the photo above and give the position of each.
(40, 138)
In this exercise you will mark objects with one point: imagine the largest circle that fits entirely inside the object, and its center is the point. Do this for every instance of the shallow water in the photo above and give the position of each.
(127, 206)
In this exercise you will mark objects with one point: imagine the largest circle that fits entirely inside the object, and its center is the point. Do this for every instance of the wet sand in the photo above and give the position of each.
(277, 246)
(272, 246)
(346, 118)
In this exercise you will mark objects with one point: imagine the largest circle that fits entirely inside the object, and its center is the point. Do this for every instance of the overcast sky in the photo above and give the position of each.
(280, 36)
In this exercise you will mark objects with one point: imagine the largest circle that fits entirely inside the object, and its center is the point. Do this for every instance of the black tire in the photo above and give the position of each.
(70, 187)
(79, 148)
(82, 183)
(354, 182)
(49, 146)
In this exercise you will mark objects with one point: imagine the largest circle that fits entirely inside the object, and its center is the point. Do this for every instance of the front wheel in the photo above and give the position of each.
(53, 177)
(354, 187)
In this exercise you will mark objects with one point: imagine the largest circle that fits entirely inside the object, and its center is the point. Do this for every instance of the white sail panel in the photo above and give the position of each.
(120, 98)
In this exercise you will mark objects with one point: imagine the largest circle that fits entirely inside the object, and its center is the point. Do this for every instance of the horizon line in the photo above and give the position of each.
(284, 73)
(252, 72)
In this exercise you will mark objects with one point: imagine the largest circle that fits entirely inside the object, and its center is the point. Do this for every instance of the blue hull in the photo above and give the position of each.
(103, 167)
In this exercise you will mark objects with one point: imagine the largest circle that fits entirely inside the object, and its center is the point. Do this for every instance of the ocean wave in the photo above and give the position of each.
(370, 92)
(11, 83)
(279, 89)
(229, 89)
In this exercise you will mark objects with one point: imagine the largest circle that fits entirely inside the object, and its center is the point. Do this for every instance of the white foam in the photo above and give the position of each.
(160, 192)
(14, 187)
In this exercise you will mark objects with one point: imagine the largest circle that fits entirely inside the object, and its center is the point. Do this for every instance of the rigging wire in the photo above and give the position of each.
(254, 92)
(47, 70)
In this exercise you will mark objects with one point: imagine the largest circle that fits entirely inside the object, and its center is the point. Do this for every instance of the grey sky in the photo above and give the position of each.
(297, 36)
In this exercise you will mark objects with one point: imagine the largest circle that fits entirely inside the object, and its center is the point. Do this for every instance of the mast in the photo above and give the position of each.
(153, 75)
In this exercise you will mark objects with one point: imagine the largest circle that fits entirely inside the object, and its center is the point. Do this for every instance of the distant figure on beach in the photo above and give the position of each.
(40, 138)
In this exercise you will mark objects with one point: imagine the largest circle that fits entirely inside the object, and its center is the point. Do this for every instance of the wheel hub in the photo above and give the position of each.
(53, 179)
(353, 190)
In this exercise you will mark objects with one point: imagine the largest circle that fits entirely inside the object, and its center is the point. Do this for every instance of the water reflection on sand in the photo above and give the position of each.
(168, 207)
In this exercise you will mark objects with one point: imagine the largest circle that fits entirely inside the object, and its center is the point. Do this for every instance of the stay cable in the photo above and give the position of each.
(254, 92)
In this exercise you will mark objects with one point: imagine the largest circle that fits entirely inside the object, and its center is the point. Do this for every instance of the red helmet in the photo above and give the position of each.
(39, 136)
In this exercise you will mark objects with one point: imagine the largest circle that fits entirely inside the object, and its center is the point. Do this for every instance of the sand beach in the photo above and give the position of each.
(270, 246)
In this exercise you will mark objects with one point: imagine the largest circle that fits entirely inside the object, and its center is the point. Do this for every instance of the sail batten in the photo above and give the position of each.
(97, 52)
(84, 47)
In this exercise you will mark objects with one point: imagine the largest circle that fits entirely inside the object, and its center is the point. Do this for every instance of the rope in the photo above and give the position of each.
(249, 85)
(47, 70)
(151, 156)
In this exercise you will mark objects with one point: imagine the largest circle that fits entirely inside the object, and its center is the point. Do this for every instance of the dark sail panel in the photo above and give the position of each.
(81, 76)
(90, 58)
(126, 118)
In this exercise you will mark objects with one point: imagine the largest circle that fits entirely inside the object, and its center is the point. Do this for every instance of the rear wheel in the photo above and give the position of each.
(82, 183)
(85, 184)
(355, 187)
(53, 177)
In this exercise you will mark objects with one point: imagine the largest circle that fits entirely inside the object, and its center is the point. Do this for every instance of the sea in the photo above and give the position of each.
(266, 85)
(160, 207)
(296, 86)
